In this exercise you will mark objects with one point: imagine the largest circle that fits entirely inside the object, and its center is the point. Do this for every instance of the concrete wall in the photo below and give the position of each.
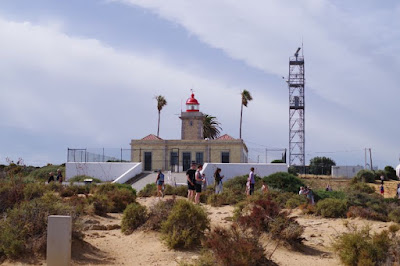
(103, 171)
(347, 171)
(230, 170)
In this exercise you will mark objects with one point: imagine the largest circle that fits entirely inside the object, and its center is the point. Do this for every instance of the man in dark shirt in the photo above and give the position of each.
(190, 176)
(51, 177)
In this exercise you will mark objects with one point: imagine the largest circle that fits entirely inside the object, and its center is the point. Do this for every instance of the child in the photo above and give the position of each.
(248, 188)
(264, 188)
(382, 190)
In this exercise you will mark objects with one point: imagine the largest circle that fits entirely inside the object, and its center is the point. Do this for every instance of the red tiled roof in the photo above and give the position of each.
(151, 137)
(225, 137)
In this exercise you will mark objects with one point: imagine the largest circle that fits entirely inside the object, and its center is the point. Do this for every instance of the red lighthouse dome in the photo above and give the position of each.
(192, 105)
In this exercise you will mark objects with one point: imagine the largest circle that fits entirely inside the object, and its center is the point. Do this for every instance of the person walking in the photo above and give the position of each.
(251, 180)
(218, 181)
(51, 178)
(160, 184)
(59, 176)
(190, 176)
(382, 179)
(199, 178)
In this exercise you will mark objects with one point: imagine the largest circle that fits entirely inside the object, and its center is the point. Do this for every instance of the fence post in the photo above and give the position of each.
(59, 237)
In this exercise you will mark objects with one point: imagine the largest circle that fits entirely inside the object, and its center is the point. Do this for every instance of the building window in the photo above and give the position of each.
(174, 158)
(225, 157)
(199, 158)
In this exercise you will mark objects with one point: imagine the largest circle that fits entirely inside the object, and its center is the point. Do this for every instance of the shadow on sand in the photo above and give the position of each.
(85, 253)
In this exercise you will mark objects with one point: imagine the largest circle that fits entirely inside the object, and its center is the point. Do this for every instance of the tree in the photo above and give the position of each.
(390, 172)
(321, 165)
(161, 102)
(246, 97)
(211, 127)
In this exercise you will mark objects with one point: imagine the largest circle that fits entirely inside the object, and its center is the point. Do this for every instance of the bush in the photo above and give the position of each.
(11, 193)
(159, 213)
(361, 187)
(331, 208)
(81, 178)
(23, 231)
(265, 216)
(394, 215)
(390, 173)
(42, 173)
(360, 247)
(72, 190)
(295, 201)
(148, 191)
(185, 225)
(235, 247)
(365, 213)
(284, 181)
(34, 190)
(323, 194)
(365, 176)
(118, 195)
(134, 216)
(102, 204)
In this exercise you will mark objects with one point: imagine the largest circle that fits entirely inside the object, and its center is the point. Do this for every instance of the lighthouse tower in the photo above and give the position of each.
(192, 120)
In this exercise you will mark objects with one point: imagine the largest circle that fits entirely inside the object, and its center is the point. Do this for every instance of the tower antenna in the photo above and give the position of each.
(296, 83)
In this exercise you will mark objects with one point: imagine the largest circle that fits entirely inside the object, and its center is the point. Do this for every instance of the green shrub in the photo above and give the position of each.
(323, 194)
(284, 181)
(170, 190)
(365, 176)
(102, 204)
(185, 225)
(235, 246)
(331, 208)
(295, 201)
(74, 190)
(148, 191)
(43, 172)
(23, 230)
(11, 193)
(159, 213)
(118, 195)
(81, 178)
(237, 184)
(361, 187)
(360, 247)
(264, 215)
(134, 216)
(365, 213)
(390, 173)
(394, 215)
(34, 190)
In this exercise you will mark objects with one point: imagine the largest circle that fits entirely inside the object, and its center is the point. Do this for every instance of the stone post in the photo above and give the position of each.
(59, 237)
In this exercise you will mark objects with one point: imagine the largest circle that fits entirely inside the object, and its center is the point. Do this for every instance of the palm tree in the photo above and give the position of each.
(161, 102)
(246, 98)
(211, 127)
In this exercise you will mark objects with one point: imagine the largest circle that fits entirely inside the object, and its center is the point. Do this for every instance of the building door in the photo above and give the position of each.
(147, 161)
(186, 160)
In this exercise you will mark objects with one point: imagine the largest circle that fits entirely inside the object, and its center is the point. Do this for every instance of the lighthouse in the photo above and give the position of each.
(192, 120)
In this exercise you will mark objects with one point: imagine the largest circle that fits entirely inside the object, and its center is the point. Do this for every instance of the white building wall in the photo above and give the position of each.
(345, 171)
(230, 170)
(105, 171)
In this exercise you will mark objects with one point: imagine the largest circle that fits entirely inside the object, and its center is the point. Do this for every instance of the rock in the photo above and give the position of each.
(312, 235)
(219, 212)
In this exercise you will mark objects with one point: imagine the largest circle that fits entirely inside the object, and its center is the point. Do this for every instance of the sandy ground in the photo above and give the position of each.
(111, 247)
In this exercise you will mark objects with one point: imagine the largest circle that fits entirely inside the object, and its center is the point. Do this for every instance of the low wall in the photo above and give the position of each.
(345, 171)
(230, 170)
(105, 171)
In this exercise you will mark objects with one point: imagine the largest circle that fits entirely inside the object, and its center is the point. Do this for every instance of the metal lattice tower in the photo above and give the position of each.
(296, 82)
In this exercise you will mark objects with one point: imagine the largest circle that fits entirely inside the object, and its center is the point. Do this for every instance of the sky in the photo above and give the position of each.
(84, 74)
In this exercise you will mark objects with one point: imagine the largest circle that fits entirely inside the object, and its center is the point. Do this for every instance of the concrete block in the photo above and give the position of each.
(59, 237)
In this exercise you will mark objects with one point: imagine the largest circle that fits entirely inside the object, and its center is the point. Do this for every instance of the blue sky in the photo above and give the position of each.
(83, 74)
